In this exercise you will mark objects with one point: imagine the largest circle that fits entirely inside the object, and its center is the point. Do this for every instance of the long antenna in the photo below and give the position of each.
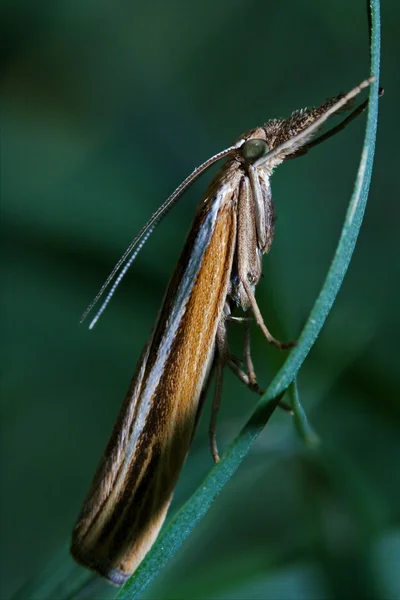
(138, 242)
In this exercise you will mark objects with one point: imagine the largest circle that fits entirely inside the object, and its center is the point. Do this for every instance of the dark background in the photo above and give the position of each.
(106, 107)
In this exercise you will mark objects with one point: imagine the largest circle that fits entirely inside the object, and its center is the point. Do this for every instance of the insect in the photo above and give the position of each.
(218, 270)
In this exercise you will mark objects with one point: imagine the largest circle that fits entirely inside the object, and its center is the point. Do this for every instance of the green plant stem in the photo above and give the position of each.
(301, 422)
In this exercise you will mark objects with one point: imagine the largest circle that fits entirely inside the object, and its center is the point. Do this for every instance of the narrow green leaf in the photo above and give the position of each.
(301, 422)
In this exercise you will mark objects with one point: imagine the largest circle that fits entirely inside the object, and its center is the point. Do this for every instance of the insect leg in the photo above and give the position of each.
(260, 321)
(249, 378)
(253, 386)
(222, 358)
(247, 354)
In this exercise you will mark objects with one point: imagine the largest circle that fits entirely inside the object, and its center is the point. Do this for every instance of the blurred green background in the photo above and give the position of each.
(106, 107)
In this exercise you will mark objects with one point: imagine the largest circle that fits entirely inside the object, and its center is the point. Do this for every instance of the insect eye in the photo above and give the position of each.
(254, 149)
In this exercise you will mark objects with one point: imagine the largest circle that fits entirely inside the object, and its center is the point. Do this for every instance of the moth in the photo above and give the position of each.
(218, 271)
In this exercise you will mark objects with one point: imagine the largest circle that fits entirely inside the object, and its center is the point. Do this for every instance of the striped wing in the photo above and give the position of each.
(134, 483)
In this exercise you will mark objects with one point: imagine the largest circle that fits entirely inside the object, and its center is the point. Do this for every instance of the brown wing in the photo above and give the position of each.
(134, 483)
